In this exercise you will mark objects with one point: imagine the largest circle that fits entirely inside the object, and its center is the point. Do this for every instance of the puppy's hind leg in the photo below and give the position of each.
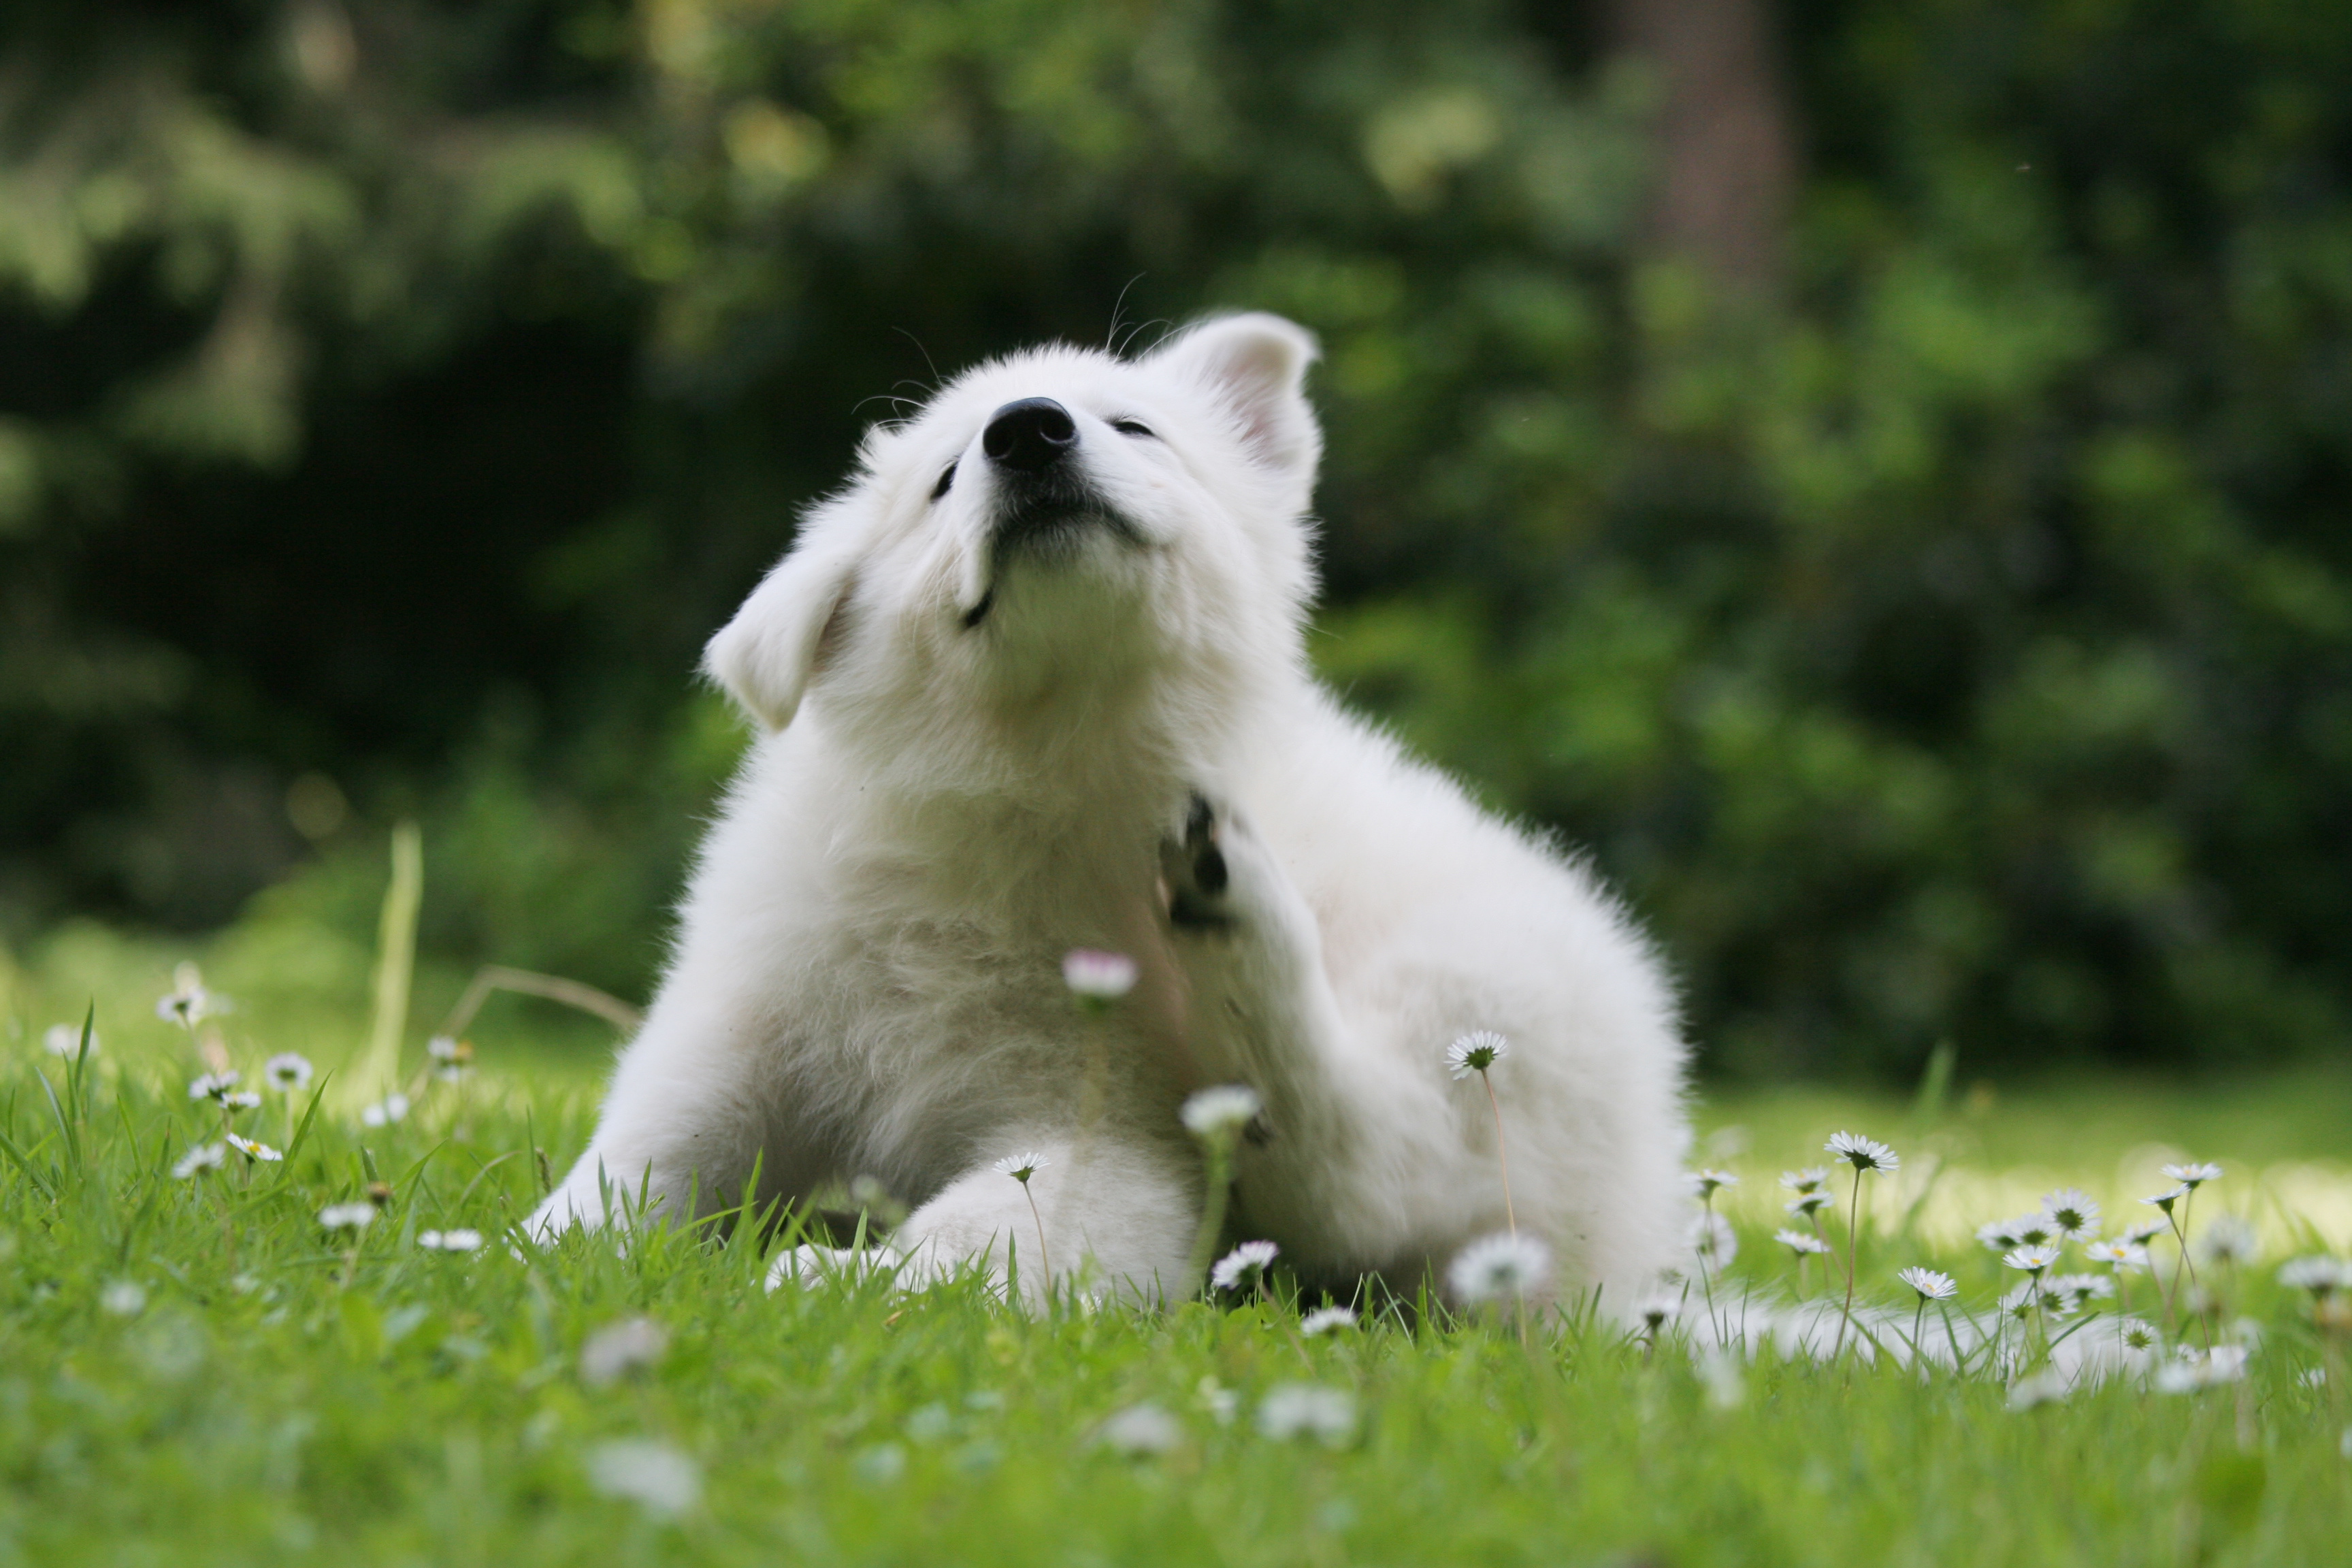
(1346, 1138)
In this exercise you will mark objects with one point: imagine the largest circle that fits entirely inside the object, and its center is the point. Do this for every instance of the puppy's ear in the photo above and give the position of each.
(1255, 364)
(765, 656)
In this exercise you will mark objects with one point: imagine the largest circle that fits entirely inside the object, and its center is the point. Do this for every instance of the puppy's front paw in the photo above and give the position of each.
(812, 1265)
(1193, 865)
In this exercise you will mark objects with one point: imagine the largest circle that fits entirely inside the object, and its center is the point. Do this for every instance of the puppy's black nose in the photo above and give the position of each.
(1029, 436)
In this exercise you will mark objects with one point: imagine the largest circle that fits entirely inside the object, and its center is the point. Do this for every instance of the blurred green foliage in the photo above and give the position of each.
(1952, 643)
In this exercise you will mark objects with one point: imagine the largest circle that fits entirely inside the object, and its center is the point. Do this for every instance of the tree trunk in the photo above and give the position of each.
(1726, 162)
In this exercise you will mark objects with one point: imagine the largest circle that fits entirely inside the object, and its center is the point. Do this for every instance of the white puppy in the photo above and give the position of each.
(1034, 682)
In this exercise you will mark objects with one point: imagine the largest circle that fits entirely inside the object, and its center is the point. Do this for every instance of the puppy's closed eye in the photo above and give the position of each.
(1132, 427)
(947, 478)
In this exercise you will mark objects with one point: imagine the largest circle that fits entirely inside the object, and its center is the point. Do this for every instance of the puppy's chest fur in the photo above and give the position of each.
(941, 1009)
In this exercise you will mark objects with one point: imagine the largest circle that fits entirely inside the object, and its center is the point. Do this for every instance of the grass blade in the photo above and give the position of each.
(8, 1147)
(302, 1130)
(65, 1123)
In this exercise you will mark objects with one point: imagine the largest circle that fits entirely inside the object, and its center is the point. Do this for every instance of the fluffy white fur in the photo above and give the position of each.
(976, 755)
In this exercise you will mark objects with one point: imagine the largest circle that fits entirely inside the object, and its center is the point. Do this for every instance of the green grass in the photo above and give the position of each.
(274, 1398)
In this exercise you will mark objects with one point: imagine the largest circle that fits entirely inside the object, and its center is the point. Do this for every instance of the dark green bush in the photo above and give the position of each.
(1950, 643)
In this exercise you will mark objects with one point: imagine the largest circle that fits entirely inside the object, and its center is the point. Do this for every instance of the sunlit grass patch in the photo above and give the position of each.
(350, 1353)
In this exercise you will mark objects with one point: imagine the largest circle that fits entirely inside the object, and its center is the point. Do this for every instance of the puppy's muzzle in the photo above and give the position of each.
(1045, 498)
(1030, 435)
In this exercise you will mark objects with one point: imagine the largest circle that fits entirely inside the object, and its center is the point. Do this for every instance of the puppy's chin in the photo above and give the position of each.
(1043, 540)
(1057, 533)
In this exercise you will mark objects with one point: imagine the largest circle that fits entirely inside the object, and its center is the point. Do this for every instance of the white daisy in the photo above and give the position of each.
(2227, 1238)
(1326, 1319)
(65, 1040)
(211, 1085)
(2192, 1370)
(392, 1108)
(2321, 1276)
(1497, 1266)
(452, 1058)
(240, 1100)
(2026, 1230)
(2119, 1254)
(347, 1216)
(1804, 1206)
(449, 1240)
(1221, 1110)
(252, 1149)
(649, 1473)
(2081, 1290)
(197, 1161)
(2045, 1387)
(1142, 1429)
(1476, 1051)
(1099, 977)
(123, 1299)
(613, 1351)
(1811, 1179)
(2023, 1301)
(1240, 1269)
(288, 1072)
(1020, 1167)
(1864, 1153)
(1803, 1243)
(188, 1004)
(1713, 1240)
(2141, 1235)
(2193, 1176)
(1931, 1285)
(1308, 1410)
(2165, 1200)
(1657, 1309)
(2033, 1259)
(1704, 1184)
(2138, 1339)
(2072, 1212)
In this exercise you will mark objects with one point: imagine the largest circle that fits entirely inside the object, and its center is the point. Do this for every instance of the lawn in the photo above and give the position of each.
(196, 1370)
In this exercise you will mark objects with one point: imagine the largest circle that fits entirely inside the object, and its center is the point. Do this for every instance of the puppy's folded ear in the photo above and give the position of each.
(1255, 366)
(765, 656)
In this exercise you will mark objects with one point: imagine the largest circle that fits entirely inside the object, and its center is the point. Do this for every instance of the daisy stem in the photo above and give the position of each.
(2181, 1233)
(1502, 1154)
(1853, 1255)
(1705, 1269)
(1813, 1218)
(1218, 1148)
(1918, 1318)
(1044, 1263)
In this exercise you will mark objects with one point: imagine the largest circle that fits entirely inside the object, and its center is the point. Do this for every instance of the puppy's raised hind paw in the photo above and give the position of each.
(1193, 867)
